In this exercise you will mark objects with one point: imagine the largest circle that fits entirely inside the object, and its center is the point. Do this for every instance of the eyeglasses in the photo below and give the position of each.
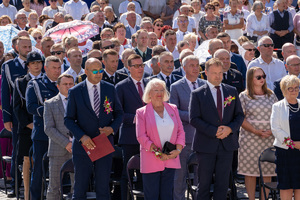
(159, 25)
(250, 49)
(40, 37)
(191, 11)
(137, 66)
(294, 65)
(291, 89)
(185, 21)
(267, 45)
(260, 77)
(216, 5)
(56, 52)
(96, 71)
(109, 46)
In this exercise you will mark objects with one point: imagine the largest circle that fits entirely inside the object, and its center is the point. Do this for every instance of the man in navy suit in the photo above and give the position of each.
(235, 58)
(130, 92)
(166, 63)
(86, 118)
(180, 96)
(38, 91)
(142, 48)
(131, 28)
(293, 67)
(11, 70)
(217, 123)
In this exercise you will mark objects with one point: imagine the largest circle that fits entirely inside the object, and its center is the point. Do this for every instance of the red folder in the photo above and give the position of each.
(103, 148)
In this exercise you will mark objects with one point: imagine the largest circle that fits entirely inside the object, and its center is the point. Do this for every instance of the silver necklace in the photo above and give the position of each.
(294, 110)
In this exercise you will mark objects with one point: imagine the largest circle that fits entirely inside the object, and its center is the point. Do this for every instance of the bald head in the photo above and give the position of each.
(224, 57)
(293, 65)
(214, 45)
(23, 33)
(91, 62)
(288, 49)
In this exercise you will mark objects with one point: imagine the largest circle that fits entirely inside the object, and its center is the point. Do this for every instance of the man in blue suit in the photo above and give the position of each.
(38, 91)
(130, 92)
(86, 118)
(235, 58)
(131, 28)
(166, 63)
(217, 122)
(11, 70)
(180, 96)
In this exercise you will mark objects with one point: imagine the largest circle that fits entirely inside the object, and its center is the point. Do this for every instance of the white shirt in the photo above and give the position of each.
(154, 6)
(148, 67)
(124, 21)
(124, 4)
(191, 84)
(71, 72)
(164, 126)
(76, 10)
(190, 27)
(90, 88)
(136, 86)
(175, 52)
(51, 12)
(214, 94)
(180, 35)
(22, 62)
(35, 77)
(132, 30)
(10, 10)
(274, 70)
(64, 100)
(253, 24)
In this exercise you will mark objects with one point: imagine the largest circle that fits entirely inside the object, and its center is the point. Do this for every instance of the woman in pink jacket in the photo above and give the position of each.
(156, 123)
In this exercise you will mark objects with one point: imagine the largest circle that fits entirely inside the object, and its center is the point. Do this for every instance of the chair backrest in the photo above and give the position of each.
(68, 166)
(5, 133)
(268, 155)
(192, 169)
(134, 162)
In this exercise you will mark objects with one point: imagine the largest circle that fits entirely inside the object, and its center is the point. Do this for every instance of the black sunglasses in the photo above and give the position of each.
(250, 49)
(56, 52)
(161, 25)
(260, 77)
(109, 46)
(40, 37)
(267, 45)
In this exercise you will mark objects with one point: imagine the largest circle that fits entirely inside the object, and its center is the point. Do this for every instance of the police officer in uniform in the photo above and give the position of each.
(37, 92)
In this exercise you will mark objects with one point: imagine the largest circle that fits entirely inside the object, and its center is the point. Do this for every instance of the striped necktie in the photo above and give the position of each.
(96, 101)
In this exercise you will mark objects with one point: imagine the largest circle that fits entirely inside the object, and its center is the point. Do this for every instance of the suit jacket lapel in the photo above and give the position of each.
(210, 99)
(225, 95)
(86, 98)
(102, 97)
(60, 104)
(186, 87)
(132, 88)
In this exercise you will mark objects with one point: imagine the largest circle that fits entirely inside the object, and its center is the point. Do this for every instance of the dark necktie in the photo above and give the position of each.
(224, 76)
(144, 56)
(194, 85)
(96, 101)
(219, 102)
(140, 89)
(112, 79)
(168, 82)
(183, 34)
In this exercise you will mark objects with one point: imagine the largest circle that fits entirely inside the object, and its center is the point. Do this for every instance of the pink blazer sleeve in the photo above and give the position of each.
(141, 132)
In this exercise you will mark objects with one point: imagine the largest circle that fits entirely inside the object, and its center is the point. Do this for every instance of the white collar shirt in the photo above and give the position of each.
(214, 94)
(76, 9)
(175, 52)
(10, 10)
(136, 86)
(64, 100)
(35, 77)
(71, 72)
(191, 85)
(90, 88)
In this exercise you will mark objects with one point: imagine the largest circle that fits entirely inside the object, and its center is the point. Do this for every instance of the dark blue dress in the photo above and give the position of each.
(288, 161)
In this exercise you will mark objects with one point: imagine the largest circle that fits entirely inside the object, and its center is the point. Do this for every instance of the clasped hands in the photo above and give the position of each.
(88, 142)
(263, 133)
(223, 132)
(281, 33)
(173, 154)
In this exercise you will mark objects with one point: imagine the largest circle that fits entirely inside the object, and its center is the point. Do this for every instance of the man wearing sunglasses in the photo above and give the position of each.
(132, 27)
(293, 67)
(273, 67)
(53, 9)
(250, 52)
(88, 99)
(59, 51)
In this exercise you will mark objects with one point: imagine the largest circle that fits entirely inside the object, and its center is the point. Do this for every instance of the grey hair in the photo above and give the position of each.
(154, 59)
(184, 6)
(257, 3)
(219, 51)
(145, 22)
(260, 41)
(278, 1)
(188, 58)
(109, 8)
(19, 13)
(189, 36)
(51, 59)
(184, 53)
(165, 53)
(127, 51)
(154, 82)
(147, 19)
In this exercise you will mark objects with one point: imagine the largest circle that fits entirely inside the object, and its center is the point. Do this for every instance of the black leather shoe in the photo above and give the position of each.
(11, 194)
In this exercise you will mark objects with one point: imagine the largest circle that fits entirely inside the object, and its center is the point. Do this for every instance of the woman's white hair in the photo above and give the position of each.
(154, 82)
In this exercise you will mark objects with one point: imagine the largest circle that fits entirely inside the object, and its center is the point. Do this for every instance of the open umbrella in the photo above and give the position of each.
(82, 30)
(7, 33)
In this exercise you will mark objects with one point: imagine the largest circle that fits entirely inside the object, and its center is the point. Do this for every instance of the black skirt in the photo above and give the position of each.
(25, 143)
(288, 168)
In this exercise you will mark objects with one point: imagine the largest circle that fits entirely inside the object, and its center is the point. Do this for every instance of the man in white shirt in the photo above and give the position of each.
(75, 59)
(131, 28)
(7, 9)
(76, 8)
(184, 10)
(171, 41)
(124, 5)
(182, 23)
(123, 17)
(52, 9)
(273, 67)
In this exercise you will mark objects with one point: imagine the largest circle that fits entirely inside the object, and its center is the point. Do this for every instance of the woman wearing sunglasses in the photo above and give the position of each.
(38, 36)
(255, 134)
(285, 128)
(158, 24)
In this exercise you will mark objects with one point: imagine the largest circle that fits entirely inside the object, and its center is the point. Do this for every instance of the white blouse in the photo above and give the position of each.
(165, 126)
(253, 24)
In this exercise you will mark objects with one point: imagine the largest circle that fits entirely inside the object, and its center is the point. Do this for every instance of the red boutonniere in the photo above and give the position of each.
(228, 100)
(107, 106)
(289, 142)
(157, 152)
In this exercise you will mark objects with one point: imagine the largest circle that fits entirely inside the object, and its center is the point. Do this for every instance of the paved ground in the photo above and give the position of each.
(240, 189)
